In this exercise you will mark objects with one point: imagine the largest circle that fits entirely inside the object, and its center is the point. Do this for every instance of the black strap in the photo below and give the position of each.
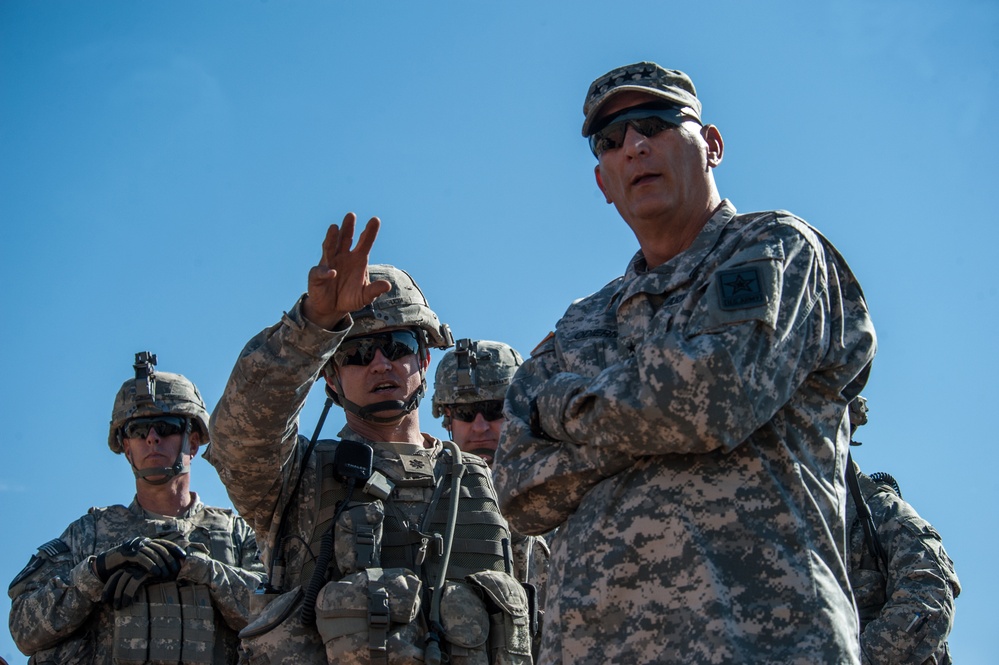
(864, 513)
(276, 581)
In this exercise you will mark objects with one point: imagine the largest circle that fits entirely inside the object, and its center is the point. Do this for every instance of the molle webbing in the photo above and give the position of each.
(167, 623)
(480, 529)
(479, 533)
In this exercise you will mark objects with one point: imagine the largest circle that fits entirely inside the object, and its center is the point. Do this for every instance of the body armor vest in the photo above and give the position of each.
(405, 529)
(380, 599)
(172, 621)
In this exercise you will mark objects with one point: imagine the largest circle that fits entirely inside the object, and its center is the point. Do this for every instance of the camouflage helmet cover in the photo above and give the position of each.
(858, 412)
(175, 395)
(403, 306)
(491, 369)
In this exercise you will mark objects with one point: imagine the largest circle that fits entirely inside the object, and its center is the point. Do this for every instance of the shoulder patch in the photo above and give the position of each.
(740, 288)
(54, 547)
(46, 551)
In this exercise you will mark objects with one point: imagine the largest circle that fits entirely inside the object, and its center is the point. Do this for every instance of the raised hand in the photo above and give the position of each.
(339, 284)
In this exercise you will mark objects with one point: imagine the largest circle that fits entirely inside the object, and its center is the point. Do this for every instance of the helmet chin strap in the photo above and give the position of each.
(167, 472)
(368, 412)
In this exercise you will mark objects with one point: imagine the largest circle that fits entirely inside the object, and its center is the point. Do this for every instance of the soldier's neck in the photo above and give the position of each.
(171, 499)
(405, 430)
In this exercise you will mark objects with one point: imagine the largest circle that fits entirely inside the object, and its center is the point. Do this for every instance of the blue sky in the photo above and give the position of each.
(169, 170)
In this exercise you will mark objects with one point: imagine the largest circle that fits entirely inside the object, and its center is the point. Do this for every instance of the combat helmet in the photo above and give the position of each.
(151, 394)
(402, 306)
(475, 371)
(858, 412)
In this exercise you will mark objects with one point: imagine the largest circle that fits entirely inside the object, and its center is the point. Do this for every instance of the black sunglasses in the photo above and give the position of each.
(490, 410)
(138, 428)
(394, 345)
(646, 121)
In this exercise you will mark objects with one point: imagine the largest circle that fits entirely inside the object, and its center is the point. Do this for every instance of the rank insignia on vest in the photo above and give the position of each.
(740, 288)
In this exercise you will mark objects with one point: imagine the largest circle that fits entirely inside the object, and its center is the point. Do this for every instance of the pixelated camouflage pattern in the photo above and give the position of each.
(495, 365)
(858, 411)
(175, 394)
(258, 453)
(907, 614)
(692, 454)
(56, 610)
(670, 85)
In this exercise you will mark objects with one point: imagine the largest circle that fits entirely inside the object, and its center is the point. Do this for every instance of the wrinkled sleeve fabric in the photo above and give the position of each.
(230, 586)
(710, 383)
(254, 427)
(58, 596)
(922, 584)
(697, 378)
(553, 475)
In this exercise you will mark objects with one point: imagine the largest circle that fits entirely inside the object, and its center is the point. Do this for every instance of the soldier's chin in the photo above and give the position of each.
(485, 453)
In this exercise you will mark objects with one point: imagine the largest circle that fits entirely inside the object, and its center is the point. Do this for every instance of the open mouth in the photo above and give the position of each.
(643, 178)
(387, 386)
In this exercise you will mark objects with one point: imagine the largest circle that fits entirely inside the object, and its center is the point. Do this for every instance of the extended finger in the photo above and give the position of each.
(376, 288)
(346, 233)
(329, 245)
(368, 236)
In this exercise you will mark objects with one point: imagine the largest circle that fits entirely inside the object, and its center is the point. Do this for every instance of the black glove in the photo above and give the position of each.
(160, 558)
(124, 585)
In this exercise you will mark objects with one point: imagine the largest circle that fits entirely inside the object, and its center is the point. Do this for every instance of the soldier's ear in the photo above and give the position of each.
(600, 183)
(193, 443)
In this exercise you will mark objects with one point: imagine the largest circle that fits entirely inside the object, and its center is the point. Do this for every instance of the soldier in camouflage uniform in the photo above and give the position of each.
(686, 424)
(903, 581)
(166, 579)
(362, 532)
(469, 388)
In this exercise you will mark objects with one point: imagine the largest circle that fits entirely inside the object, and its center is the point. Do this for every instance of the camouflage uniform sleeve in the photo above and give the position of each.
(254, 427)
(230, 586)
(57, 591)
(918, 614)
(540, 481)
(709, 382)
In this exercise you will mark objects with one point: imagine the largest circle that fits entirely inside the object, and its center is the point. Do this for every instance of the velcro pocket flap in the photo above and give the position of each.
(342, 607)
(463, 615)
(502, 589)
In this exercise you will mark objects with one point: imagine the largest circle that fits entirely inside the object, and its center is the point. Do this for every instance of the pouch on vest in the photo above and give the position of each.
(372, 616)
(278, 637)
(465, 621)
(357, 538)
(509, 617)
(166, 624)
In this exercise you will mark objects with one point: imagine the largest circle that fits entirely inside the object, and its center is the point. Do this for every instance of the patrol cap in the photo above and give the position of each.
(670, 85)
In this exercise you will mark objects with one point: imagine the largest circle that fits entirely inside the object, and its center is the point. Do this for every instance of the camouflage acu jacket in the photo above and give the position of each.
(686, 427)
(907, 611)
(56, 610)
(260, 455)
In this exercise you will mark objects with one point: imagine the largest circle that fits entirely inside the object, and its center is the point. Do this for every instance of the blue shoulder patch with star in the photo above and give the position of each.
(740, 288)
